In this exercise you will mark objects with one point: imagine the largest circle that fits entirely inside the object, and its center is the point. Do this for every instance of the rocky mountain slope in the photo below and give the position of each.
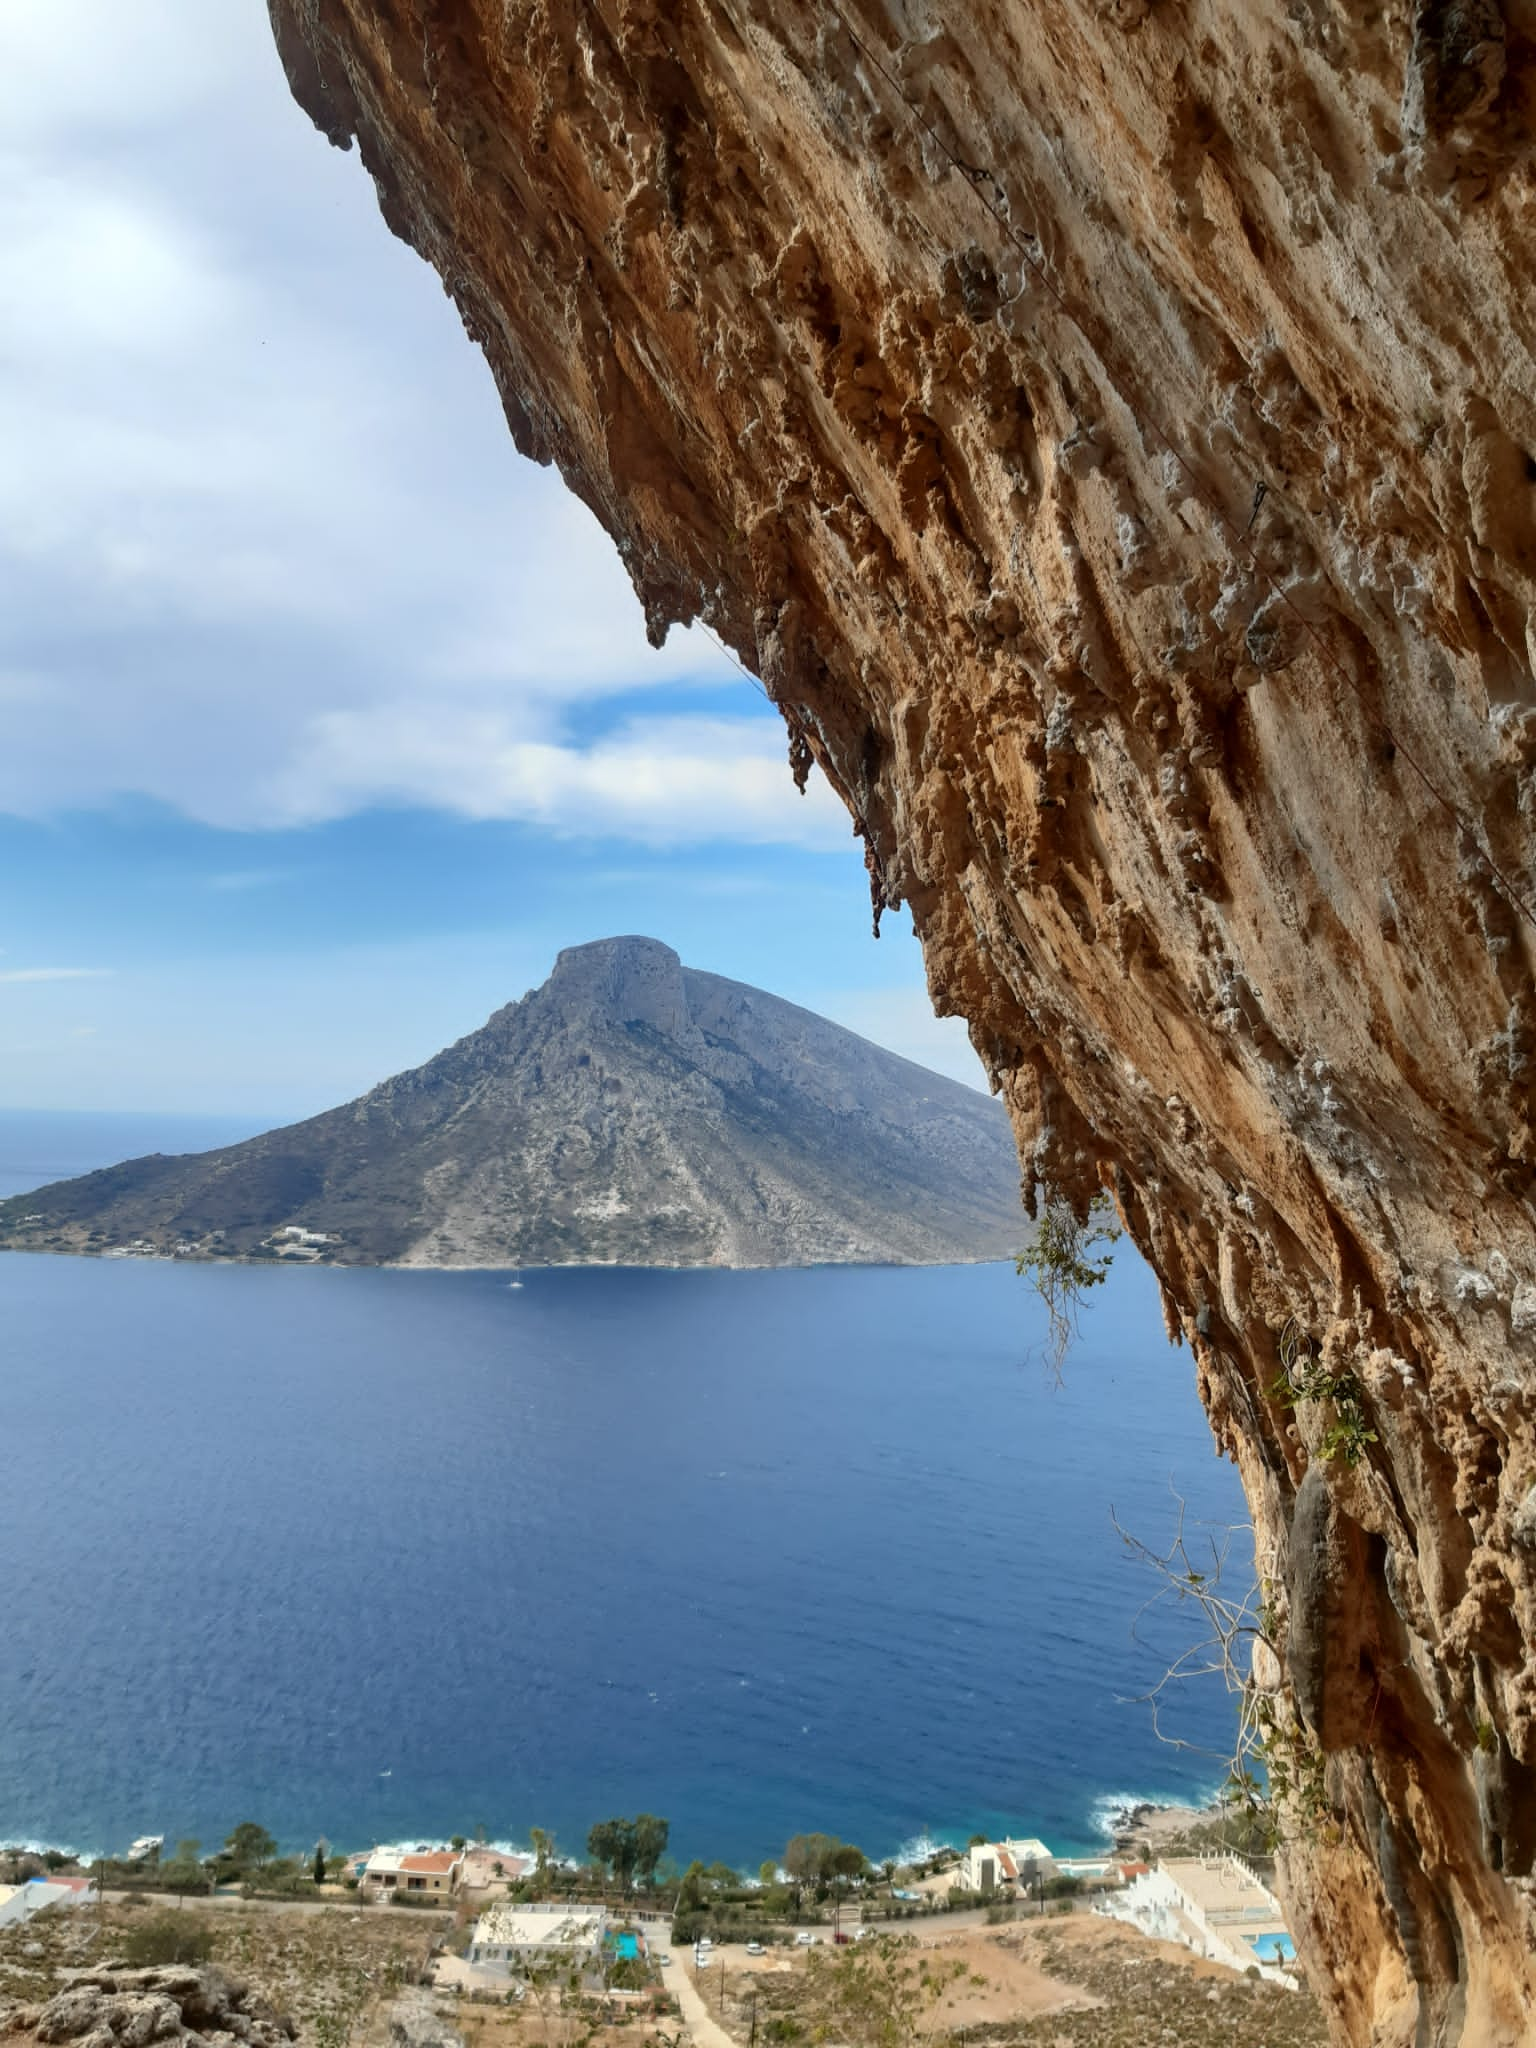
(1109, 430)
(631, 1110)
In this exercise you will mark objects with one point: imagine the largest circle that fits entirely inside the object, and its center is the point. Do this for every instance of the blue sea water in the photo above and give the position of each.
(389, 1555)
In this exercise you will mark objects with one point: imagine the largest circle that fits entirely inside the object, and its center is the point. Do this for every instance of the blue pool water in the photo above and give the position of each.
(1274, 1948)
(390, 1555)
(626, 1946)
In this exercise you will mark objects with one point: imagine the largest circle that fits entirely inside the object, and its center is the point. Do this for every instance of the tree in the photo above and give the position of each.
(319, 1863)
(804, 1856)
(457, 1842)
(767, 1873)
(690, 1903)
(543, 1845)
(616, 1843)
(651, 1837)
(185, 1870)
(250, 1846)
(877, 1994)
(612, 1844)
(823, 1860)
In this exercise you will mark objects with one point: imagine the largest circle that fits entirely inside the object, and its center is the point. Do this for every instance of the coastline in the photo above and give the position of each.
(151, 1255)
(1119, 1818)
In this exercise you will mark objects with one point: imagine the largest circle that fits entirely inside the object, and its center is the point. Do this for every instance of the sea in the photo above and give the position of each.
(391, 1555)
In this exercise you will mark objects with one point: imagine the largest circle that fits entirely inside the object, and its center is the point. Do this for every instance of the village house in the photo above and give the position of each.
(515, 1939)
(418, 1872)
(21, 1901)
(1007, 1865)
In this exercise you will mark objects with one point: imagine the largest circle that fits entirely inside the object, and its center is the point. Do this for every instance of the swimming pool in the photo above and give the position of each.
(625, 1946)
(1273, 1948)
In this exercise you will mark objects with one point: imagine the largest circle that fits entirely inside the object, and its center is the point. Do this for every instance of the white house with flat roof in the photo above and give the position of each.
(995, 1866)
(21, 1901)
(1215, 1905)
(516, 1939)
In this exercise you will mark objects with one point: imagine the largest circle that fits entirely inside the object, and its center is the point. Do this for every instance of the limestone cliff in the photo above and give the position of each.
(1108, 427)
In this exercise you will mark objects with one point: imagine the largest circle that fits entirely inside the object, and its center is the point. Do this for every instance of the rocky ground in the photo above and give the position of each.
(1073, 1982)
(259, 1977)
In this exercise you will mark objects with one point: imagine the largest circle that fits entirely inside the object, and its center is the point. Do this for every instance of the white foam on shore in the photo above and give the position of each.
(1105, 1813)
(920, 1848)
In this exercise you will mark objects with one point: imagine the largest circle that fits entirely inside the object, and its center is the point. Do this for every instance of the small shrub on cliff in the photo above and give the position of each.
(1304, 1377)
(1064, 1260)
(167, 1938)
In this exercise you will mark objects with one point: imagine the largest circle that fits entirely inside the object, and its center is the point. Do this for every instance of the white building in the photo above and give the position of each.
(999, 1866)
(20, 1901)
(1215, 1905)
(515, 1939)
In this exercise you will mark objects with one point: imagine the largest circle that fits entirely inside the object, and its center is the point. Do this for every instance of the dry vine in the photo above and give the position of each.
(1274, 1773)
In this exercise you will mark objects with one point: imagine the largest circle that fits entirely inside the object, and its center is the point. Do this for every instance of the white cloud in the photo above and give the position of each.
(263, 534)
(664, 781)
(11, 974)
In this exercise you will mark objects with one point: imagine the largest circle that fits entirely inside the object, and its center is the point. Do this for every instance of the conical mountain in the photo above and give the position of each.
(631, 1111)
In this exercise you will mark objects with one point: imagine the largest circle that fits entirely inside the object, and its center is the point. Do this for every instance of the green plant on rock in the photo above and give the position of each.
(1292, 1797)
(1064, 1259)
(1303, 1376)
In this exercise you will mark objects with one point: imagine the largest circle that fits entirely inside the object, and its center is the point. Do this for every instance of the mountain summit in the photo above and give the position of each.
(631, 1111)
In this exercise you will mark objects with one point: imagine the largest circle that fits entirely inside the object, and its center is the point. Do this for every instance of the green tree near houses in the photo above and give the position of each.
(249, 1846)
(652, 1834)
(612, 1843)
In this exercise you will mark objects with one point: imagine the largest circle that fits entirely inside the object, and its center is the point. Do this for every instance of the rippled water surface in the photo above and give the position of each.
(390, 1554)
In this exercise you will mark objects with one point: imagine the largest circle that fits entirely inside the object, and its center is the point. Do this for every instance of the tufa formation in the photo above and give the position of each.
(1108, 427)
(630, 1112)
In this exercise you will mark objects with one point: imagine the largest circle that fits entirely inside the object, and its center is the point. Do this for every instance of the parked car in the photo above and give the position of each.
(755, 1948)
(805, 1938)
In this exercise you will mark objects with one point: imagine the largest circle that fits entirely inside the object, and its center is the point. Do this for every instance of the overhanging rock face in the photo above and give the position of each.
(1109, 429)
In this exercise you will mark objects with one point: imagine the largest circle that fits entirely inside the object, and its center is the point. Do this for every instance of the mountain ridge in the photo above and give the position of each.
(628, 1111)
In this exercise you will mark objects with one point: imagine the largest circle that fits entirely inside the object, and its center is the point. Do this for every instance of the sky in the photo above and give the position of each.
(325, 719)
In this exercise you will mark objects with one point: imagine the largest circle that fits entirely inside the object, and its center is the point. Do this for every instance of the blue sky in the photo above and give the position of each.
(325, 720)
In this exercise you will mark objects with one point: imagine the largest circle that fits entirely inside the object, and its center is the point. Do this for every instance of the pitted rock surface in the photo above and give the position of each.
(132, 2008)
(1109, 430)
